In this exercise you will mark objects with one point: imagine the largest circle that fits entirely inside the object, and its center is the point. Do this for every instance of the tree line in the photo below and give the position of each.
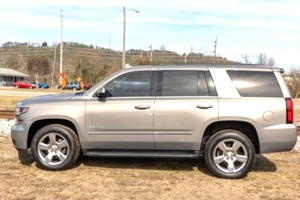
(93, 63)
(90, 62)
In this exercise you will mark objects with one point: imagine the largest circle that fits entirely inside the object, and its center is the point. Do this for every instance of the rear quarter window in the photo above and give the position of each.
(255, 83)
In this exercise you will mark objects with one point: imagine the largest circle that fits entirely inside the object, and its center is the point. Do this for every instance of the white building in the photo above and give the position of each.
(8, 76)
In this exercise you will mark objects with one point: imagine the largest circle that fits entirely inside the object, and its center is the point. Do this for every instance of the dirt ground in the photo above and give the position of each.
(274, 176)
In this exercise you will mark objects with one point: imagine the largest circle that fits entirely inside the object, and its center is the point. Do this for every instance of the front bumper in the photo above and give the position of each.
(19, 139)
(19, 136)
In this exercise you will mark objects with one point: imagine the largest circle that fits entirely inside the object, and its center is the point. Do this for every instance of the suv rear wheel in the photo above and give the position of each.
(55, 147)
(229, 154)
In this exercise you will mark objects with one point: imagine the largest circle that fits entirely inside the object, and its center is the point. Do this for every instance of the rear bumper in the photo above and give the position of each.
(278, 138)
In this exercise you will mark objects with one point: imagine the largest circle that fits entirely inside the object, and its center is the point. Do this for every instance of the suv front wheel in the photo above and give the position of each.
(55, 147)
(229, 154)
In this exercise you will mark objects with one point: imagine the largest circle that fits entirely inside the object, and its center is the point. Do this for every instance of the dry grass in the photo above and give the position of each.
(274, 176)
(9, 102)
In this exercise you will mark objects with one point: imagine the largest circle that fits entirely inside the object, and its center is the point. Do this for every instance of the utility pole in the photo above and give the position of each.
(53, 68)
(61, 46)
(109, 41)
(124, 33)
(215, 51)
(151, 53)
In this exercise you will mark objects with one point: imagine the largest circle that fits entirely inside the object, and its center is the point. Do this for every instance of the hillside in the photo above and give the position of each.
(90, 62)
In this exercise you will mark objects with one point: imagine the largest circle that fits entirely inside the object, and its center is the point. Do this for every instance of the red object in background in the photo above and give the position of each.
(24, 84)
(86, 86)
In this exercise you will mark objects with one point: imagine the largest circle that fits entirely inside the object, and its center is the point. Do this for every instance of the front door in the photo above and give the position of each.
(124, 119)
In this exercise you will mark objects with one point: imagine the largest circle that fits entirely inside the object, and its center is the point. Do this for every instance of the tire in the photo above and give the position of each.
(55, 147)
(229, 154)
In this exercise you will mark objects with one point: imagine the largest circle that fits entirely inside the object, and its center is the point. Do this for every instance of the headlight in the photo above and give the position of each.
(21, 110)
(18, 112)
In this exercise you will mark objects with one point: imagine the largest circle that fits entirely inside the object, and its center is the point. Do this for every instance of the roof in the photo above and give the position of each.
(11, 72)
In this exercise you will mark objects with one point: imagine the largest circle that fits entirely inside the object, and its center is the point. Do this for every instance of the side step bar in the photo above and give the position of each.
(140, 154)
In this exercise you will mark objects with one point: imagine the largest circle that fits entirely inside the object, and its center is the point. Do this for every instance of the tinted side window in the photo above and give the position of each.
(206, 84)
(255, 83)
(180, 83)
(133, 84)
(185, 83)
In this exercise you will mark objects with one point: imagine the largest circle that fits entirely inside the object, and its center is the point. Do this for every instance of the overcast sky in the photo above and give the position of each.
(241, 26)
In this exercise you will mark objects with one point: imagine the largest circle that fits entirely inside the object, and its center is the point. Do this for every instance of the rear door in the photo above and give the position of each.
(186, 103)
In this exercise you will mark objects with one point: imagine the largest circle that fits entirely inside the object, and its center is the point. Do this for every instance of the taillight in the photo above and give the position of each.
(289, 111)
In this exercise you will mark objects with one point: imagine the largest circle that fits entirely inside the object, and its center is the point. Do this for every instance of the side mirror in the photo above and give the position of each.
(101, 93)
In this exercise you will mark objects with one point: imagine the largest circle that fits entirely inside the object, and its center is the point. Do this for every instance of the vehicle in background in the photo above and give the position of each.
(24, 84)
(87, 86)
(41, 85)
(73, 85)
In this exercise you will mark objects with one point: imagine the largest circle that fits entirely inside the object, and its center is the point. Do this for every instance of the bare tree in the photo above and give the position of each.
(163, 47)
(11, 60)
(271, 62)
(293, 81)
(262, 58)
(265, 60)
(38, 65)
(246, 59)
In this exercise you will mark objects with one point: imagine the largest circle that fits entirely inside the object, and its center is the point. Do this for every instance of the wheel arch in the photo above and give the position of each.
(41, 123)
(244, 127)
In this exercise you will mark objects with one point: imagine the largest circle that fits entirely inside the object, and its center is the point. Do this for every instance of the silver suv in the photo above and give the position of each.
(73, 85)
(226, 113)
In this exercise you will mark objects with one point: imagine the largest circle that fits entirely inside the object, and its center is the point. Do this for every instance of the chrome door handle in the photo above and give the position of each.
(142, 107)
(204, 106)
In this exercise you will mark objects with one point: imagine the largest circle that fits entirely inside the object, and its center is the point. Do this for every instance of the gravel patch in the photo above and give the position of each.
(5, 126)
